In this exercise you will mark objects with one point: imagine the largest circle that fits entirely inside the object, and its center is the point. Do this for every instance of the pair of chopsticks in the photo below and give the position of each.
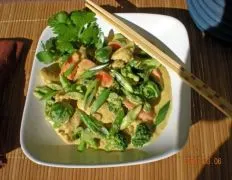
(190, 79)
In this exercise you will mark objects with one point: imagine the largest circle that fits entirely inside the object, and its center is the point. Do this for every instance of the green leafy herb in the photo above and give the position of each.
(162, 114)
(60, 17)
(80, 18)
(73, 29)
(102, 55)
(66, 32)
(64, 46)
(45, 57)
(90, 35)
(50, 45)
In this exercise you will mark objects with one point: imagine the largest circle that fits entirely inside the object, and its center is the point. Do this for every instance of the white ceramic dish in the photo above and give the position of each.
(41, 144)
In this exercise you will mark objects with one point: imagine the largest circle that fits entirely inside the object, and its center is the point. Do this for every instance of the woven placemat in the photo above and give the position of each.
(206, 155)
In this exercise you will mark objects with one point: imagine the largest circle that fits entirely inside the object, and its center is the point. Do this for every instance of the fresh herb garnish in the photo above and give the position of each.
(78, 27)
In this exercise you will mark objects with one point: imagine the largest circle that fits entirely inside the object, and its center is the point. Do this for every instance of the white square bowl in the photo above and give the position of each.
(41, 144)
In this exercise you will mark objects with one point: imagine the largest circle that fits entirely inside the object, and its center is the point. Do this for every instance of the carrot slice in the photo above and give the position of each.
(105, 79)
(72, 62)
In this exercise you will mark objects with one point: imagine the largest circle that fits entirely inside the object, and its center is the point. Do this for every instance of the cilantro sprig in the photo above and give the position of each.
(71, 31)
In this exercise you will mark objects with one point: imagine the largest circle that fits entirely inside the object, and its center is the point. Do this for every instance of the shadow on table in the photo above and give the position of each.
(12, 100)
(220, 163)
(206, 53)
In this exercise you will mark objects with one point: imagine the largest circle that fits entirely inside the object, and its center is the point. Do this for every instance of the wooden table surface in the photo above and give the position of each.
(206, 155)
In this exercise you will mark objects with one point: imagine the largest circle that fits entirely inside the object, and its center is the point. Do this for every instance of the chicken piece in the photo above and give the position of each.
(132, 127)
(51, 73)
(84, 65)
(98, 116)
(60, 96)
(107, 115)
(124, 53)
(67, 129)
(118, 64)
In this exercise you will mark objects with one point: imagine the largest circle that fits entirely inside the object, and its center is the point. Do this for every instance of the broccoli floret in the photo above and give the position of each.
(86, 139)
(114, 102)
(116, 143)
(142, 135)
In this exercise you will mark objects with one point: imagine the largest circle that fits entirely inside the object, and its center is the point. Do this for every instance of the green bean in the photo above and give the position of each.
(94, 125)
(65, 82)
(132, 97)
(162, 114)
(43, 89)
(92, 71)
(49, 95)
(44, 93)
(55, 86)
(100, 100)
(90, 93)
(147, 107)
(117, 122)
(69, 71)
(130, 117)
(88, 74)
(122, 81)
(74, 95)
(96, 68)
(38, 94)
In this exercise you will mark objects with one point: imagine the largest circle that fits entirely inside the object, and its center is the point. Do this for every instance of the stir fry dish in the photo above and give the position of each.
(100, 92)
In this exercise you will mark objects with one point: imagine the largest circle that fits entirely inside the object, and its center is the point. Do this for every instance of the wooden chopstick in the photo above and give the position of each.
(204, 90)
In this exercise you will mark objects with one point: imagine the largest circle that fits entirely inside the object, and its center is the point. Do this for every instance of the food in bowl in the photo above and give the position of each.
(100, 92)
